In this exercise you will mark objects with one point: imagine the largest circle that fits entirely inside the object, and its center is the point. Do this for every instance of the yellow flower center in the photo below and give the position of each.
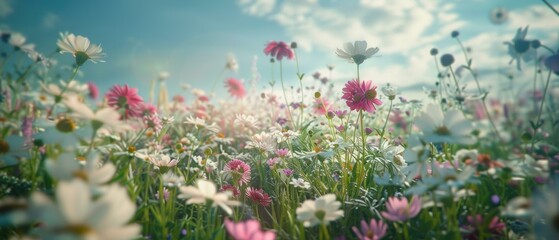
(4, 147)
(442, 130)
(66, 125)
(78, 229)
(81, 174)
(370, 94)
(320, 214)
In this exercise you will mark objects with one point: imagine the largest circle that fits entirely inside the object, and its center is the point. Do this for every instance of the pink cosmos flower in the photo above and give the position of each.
(282, 152)
(361, 95)
(279, 50)
(258, 196)
(93, 90)
(372, 231)
(238, 170)
(473, 228)
(321, 106)
(399, 210)
(235, 87)
(178, 99)
(127, 98)
(248, 230)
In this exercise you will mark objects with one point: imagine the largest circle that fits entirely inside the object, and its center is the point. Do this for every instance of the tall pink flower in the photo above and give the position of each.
(238, 170)
(372, 231)
(398, 209)
(248, 230)
(321, 106)
(127, 98)
(279, 50)
(235, 87)
(361, 95)
(258, 196)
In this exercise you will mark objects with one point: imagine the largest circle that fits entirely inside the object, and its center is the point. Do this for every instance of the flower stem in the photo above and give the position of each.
(385, 122)
(541, 109)
(455, 81)
(551, 7)
(285, 96)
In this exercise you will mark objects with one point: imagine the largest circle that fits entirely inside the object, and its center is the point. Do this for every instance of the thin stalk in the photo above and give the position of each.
(455, 80)
(541, 109)
(385, 122)
(285, 96)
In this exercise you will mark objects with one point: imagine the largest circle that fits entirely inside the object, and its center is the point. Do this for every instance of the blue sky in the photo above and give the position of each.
(191, 39)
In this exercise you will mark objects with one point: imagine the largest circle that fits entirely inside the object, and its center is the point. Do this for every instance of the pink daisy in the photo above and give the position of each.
(258, 196)
(238, 170)
(147, 109)
(178, 99)
(361, 95)
(321, 106)
(231, 188)
(127, 98)
(93, 90)
(235, 87)
(279, 50)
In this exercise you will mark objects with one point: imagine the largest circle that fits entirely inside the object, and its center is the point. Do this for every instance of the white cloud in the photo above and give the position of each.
(5, 8)
(50, 20)
(405, 31)
(257, 7)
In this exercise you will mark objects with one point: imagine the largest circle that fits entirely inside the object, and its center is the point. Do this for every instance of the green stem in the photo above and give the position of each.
(541, 109)
(215, 80)
(455, 81)
(385, 122)
(285, 96)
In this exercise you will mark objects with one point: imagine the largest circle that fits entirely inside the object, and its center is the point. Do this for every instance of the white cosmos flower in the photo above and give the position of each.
(77, 215)
(107, 118)
(323, 210)
(206, 191)
(300, 183)
(80, 48)
(68, 167)
(357, 52)
(198, 122)
(450, 127)
(262, 141)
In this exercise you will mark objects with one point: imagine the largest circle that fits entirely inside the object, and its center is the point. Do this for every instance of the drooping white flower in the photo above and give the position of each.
(206, 191)
(357, 52)
(80, 47)
(78, 215)
(323, 210)
(449, 127)
(232, 63)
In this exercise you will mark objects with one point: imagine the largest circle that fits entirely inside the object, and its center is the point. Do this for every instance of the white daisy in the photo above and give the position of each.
(357, 52)
(67, 167)
(262, 141)
(450, 127)
(80, 48)
(12, 149)
(206, 191)
(300, 183)
(323, 210)
(77, 215)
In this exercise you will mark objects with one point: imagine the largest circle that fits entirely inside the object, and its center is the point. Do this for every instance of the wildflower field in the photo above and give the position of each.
(284, 156)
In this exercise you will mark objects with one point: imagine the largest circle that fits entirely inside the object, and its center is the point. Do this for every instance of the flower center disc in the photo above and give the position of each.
(4, 147)
(66, 125)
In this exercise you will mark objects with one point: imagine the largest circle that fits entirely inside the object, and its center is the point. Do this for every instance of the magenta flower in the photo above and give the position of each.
(126, 98)
(283, 152)
(279, 50)
(231, 188)
(361, 95)
(373, 231)
(93, 90)
(235, 87)
(238, 170)
(398, 209)
(476, 224)
(248, 230)
(258, 196)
